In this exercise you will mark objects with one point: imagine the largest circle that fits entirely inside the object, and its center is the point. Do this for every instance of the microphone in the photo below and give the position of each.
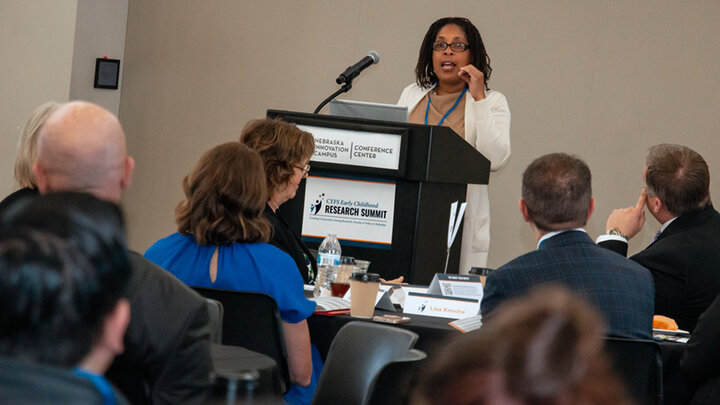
(353, 71)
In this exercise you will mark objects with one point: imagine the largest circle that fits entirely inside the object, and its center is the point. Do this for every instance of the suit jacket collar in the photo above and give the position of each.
(565, 239)
(688, 221)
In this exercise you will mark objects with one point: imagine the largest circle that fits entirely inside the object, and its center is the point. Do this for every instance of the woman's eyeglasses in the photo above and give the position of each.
(305, 169)
(455, 46)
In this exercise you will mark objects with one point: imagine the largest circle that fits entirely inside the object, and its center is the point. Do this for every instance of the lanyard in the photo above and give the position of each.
(100, 383)
(427, 109)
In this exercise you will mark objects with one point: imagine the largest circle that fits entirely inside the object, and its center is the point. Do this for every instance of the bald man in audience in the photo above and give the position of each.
(167, 360)
(684, 258)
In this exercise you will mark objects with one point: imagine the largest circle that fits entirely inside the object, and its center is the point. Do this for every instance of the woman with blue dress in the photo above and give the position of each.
(221, 243)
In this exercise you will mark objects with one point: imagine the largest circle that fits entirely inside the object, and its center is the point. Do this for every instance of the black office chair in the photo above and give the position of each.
(356, 357)
(396, 380)
(639, 366)
(215, 312)
(707, 393)
(252, 320)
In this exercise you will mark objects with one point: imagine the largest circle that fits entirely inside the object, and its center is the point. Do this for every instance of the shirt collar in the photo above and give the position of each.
(665, 225)
(551, 234)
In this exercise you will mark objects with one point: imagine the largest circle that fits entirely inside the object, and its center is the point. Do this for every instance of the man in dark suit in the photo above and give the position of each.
(684, 259)
(63, 271)
(701, 362)
(557, 202)
(167, 360)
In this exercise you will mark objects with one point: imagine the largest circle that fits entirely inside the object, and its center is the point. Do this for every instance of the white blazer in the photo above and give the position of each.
(487, 128)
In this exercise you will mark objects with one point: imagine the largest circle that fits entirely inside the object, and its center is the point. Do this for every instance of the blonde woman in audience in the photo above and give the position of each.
(27, 153)
(543, 348)
(222, 243)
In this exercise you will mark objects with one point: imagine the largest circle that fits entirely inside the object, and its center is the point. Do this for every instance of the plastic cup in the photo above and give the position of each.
(362, 265)
(483, 272)
(338, 289)
(363, 291)
(347, 268)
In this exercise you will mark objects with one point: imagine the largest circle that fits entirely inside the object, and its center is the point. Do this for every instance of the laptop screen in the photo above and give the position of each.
(373, 111)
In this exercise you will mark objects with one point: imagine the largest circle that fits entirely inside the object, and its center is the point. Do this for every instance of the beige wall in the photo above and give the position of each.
(47, 52)
(601, 79)
(100, 32)
(36, 50)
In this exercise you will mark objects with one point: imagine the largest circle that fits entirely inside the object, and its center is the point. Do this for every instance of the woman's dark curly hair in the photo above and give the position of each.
(424, 73)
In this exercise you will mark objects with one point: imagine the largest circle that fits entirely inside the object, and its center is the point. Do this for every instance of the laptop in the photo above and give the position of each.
(372, 111)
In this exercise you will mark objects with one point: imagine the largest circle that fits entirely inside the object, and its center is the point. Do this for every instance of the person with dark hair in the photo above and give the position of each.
(221, 243)
(63, 273)
(451, 90)
(557, 202)
(543, 348)
(81, 147)
(286, 151)
(683, 259)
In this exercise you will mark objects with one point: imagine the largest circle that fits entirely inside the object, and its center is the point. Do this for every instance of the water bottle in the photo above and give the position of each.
(329, 254)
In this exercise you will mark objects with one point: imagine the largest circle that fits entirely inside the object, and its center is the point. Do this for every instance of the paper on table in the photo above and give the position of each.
(453, 227)
(325, 304)
(669, 336)
(453, 209)
(457, 220)
(468, 324)
(670, 331)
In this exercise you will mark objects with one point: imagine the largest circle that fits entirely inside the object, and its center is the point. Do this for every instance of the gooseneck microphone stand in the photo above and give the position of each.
(344, 89)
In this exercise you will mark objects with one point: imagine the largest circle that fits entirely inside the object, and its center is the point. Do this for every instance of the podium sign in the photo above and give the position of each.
(356, 148)
(384, 188)
(359, 212)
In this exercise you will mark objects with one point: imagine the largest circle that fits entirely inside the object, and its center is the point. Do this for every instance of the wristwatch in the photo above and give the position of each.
(616, 232)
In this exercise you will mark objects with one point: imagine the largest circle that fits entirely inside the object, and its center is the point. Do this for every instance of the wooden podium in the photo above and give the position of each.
(411, 172)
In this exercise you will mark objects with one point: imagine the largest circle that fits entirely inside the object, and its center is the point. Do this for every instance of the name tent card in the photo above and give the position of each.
(398, 292)
(440, 306)
(382, 300)
(401, 291)
(457, 285)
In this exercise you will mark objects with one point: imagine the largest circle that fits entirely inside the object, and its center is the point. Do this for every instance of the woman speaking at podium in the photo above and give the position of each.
(451, 90)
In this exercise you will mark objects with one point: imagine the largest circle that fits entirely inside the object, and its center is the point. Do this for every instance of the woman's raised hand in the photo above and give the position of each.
(475, 80)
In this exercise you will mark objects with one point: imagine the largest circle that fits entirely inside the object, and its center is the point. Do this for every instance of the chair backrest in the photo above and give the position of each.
(215, 311)
(639, 366)
(707, 392)
(396, 380)
(358, 353)
(252, 320)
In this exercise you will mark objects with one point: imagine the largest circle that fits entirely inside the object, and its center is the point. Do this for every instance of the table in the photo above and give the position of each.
(433, 332)
(238, 370)
(675, 390)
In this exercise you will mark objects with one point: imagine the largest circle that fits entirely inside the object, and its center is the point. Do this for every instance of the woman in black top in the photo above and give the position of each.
(286, 152)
